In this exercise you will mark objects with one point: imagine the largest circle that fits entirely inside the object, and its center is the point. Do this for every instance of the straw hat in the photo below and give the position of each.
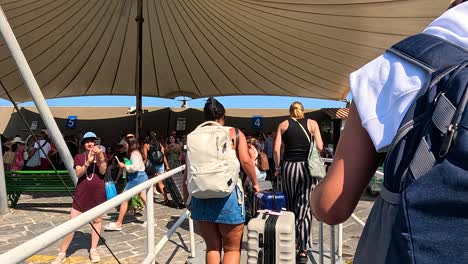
(18, 140)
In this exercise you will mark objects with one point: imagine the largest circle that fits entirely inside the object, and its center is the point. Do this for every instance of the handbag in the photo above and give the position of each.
(34, 160)
(9, 157)
(314, 161)
(111, 191)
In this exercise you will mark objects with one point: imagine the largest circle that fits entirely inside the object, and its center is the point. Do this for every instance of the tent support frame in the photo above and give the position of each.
(139, 73)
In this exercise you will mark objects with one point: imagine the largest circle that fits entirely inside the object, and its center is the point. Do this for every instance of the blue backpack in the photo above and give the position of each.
(421, 215)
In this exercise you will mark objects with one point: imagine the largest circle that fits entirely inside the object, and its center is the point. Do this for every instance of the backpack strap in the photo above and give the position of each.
(425, 51)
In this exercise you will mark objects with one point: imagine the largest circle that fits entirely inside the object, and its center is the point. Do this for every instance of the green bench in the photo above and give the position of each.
(18, 182)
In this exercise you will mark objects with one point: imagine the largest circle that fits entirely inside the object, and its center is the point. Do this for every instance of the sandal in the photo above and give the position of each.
(60, 258)
(112, 227)
(94, 255)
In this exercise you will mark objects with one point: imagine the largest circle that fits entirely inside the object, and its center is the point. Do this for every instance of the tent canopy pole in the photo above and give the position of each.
(139, 73)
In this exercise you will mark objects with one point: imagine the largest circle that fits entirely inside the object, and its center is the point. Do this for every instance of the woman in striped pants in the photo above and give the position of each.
(295, 133)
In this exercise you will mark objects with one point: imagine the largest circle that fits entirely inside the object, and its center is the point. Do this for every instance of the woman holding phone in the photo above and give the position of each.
(90, 167)
(135, 175)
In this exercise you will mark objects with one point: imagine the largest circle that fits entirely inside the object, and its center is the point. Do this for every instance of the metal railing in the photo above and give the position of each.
(33, 246)
(336, 255)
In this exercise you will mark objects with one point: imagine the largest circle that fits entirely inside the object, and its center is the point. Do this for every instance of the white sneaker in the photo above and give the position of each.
(61, 257)
(94, 255)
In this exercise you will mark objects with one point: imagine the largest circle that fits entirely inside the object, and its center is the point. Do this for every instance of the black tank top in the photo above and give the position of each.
(296, 144)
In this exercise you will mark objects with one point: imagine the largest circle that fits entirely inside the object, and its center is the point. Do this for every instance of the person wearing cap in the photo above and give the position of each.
(90, 167)
(17, 147)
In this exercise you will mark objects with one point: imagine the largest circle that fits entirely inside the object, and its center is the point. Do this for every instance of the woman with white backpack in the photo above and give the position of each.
(212, 188)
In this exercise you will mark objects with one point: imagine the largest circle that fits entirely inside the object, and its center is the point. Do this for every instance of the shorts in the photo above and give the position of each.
(225, 210)
(159, 168)
(133, 179)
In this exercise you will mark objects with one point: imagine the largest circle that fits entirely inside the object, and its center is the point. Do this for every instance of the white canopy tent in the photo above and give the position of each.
(200, 48)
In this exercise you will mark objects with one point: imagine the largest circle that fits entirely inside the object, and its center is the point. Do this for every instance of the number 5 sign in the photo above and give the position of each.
(257, 122)
(71, 122)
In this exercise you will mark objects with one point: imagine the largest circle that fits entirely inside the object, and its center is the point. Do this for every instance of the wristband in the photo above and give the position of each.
(86, 164)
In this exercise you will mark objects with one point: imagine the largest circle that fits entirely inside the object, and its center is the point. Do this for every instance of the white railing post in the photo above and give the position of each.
(192, 237)
(171, 231)
(357, 220)
(340, 243)
(150, 222)
(321, 242)
(332, 244)
(3, 191)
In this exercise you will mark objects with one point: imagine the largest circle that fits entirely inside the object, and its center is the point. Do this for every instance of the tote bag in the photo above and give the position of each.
(314, 161)
(111, 191)
(34, 160)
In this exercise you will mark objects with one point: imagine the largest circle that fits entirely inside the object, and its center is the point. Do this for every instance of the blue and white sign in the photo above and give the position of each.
(257, 122)
(71, 122)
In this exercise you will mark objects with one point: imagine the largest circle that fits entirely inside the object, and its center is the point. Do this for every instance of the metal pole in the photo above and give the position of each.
(36, 94)
(3, 192)
(321, 242)
(340, 243)
(150, 222)
(139, 73)
(171, 231)
(357, 220)
(192, 237)
(332, 244)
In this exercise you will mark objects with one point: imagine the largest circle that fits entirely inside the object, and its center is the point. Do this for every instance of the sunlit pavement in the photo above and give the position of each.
(36, 214)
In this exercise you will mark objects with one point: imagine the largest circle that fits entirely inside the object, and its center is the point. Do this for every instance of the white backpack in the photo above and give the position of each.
(212, 164)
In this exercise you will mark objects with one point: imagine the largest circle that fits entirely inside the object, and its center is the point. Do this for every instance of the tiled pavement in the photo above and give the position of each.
(37, 214)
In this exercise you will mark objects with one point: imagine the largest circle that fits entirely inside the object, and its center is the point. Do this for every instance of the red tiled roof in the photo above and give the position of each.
(336, 113)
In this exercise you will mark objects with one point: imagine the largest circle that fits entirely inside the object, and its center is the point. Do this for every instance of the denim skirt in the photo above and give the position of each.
(227, 210)
(133, 179)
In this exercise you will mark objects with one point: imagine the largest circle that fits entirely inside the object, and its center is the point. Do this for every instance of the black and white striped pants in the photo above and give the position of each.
(297, 185)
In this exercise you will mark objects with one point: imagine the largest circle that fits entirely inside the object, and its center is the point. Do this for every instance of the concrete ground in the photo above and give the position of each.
(36, 214)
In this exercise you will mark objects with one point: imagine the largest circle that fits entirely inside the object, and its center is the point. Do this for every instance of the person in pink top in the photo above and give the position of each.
(90, 167)
(18, 147)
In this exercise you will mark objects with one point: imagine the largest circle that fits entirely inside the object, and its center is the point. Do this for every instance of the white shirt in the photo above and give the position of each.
(137, 163)
(46, 147)
(384, 89)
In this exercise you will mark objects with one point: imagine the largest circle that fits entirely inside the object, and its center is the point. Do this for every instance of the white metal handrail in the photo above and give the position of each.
(338, 256)
(29, 248)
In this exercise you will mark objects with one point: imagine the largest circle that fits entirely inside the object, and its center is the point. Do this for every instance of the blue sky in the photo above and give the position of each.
(227, 101)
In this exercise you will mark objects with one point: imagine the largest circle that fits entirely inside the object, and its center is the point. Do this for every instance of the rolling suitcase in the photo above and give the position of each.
(270, 200)
(173, 186)
(271, 238)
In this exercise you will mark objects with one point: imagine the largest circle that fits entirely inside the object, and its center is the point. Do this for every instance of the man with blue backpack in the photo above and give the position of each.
(410, 107)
